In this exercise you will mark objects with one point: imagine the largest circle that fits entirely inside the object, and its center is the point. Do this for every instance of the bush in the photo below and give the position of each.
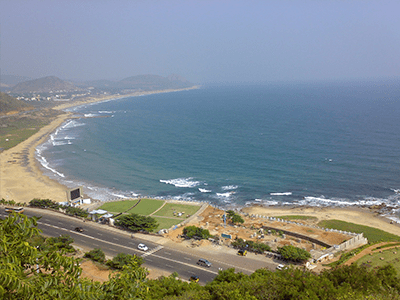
(250, 246)
(294, 253)
(76, 211)
(135, 222)
(96, 255)
(122, 259)
(196, 232)
(60, 243)
(44, 203)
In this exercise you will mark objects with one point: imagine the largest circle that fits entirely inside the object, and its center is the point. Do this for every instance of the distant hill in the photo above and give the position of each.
(8, 104)
(44, 85)
(143, 82)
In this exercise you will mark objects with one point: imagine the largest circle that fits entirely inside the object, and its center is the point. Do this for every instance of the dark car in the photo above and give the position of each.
(78, 229)
(242, 252)
(194, 278)
(204, 262)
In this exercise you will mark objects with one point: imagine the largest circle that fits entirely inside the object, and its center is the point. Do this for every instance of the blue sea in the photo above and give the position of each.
(322, 144)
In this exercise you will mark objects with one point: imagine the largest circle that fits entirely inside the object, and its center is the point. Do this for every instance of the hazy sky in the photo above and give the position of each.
(204, 41)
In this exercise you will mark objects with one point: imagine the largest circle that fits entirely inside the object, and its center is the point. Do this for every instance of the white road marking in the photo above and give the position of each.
(122, 246)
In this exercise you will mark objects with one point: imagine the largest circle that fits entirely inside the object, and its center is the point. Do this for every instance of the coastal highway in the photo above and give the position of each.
(169, 258)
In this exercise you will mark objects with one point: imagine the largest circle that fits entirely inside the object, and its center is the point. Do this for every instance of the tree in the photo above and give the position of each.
(122, 259)
(27, 272)
(194, 231)
(294, 253)
(96, 255)
(237, 219)
(135, 222)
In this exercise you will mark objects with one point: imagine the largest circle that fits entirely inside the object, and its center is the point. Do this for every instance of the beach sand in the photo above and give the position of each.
(21, 178)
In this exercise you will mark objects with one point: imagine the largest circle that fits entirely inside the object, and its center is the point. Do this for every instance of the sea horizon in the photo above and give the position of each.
(317, 144)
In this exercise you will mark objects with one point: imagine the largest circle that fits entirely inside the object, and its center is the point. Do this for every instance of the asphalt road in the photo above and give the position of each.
(167, 258)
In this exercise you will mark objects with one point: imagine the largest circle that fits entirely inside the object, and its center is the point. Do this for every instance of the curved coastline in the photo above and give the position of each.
(22, 178)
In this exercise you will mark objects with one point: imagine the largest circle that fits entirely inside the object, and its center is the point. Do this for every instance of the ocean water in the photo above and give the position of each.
(307, 144)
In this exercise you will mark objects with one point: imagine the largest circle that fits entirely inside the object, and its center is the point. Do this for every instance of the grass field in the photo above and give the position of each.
(165, 223)
(165, 216)
(146, 207)
(297, 218)
(118, 206)
(169, 209)
(373, 235)
(390, 256)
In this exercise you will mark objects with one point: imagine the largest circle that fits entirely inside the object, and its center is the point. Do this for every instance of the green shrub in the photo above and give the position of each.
(196, 232)
(135, 222)
(250, 246)
(60, 243)
(294, 253)
(122, 259)
(96, 255)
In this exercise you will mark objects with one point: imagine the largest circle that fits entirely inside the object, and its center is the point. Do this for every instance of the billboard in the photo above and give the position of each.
(75, 193)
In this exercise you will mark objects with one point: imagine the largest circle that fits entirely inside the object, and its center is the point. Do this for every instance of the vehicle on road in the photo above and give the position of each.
(143, 247)
(281, 267)
(194, 278)
(242, 252)
(204, 262)
(79, 229)
(18, 210)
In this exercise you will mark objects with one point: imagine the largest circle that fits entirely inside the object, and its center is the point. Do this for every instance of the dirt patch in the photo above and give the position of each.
(251, 229)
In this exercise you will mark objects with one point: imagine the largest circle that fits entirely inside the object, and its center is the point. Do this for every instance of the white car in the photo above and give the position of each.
(280, 267)
(143, 247)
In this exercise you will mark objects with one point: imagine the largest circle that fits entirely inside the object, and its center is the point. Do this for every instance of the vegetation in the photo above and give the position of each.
(135, 222)
(9, 104)
(250, 246)
(373, 235)
(69, 210)
(165, 223)
(347, 255)
(293, 253)
(15, 129)
(28, 272)
(169, 208)
(381, 259)
(196, 232)
(234, 217)
(96, 255)
(60, 243)
(297, 217)
(147, 206)
(122, 259)
(118, 206)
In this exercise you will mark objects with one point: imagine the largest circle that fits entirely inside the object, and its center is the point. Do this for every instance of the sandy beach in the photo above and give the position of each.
(21, 178)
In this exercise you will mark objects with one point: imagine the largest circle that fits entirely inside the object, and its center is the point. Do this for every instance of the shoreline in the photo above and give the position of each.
(22, 178)
(21, 175)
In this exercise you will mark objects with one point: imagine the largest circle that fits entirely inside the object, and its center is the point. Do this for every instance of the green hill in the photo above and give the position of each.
(45, 84)
(8, 104)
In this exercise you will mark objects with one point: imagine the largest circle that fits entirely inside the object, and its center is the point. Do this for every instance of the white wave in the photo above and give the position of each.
(204, 190)
(182, 182)
(45, 165)
(397, 191)
(229, 187)
(120, 196)
(90, 115)
(69, 138)
(225, 195)
(60, 143)
(72, 124)
(258, 200)
(106, 112)
(281, 194)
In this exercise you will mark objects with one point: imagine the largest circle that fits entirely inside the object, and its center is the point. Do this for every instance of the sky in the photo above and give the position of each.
(203, 41)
